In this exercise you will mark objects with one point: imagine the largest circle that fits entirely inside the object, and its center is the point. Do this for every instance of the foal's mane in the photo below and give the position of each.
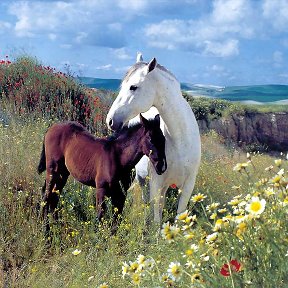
(78, 128)
(127, 131)
(141, 64)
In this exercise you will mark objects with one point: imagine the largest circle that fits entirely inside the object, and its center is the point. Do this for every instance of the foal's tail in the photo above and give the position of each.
(42, 163)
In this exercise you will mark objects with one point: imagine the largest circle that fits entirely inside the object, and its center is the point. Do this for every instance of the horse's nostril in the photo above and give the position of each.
(110, 123)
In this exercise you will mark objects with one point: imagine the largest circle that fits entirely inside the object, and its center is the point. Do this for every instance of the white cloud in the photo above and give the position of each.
(222, 49)
(66, 46)
(216, 68)
(81, 36)
(4, 25)
(276, 12)
(137, 5)
(230, 11)
(121, 54)
(104, 67)
(216, 33)
(52, 36)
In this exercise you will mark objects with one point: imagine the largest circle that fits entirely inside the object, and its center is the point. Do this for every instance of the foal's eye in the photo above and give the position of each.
(133, 87)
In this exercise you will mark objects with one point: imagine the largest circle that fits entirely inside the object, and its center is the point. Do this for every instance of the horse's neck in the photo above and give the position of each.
(129, 150)
(174, 110)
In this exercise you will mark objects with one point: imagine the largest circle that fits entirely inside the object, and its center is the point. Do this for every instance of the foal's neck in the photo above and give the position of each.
(130, 149)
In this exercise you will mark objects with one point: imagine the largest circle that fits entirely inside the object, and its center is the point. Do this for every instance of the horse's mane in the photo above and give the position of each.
(138, 65)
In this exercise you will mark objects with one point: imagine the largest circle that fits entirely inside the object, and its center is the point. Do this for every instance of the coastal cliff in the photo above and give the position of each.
(267, 131)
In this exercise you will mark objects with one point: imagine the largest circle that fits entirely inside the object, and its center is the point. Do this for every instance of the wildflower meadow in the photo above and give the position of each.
(233, 233)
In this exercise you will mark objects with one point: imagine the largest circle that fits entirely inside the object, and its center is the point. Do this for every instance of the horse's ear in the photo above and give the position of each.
(143, 120)
(152, 64)
(139, 57)
(157, 120)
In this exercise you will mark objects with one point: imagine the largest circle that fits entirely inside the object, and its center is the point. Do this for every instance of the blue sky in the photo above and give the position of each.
(219, 42)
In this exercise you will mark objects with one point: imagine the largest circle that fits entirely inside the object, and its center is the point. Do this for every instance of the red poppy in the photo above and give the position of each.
(235, 266)
(173, 186)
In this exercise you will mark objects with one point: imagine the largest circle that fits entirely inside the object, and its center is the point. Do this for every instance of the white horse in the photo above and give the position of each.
(149, 85)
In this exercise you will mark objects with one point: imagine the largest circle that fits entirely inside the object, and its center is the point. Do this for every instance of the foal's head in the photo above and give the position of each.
(153, 143)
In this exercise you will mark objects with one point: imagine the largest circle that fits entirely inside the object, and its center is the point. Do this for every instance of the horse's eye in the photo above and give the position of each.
(133, 87)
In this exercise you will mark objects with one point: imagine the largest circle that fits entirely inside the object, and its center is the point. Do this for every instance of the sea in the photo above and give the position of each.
(253, 94)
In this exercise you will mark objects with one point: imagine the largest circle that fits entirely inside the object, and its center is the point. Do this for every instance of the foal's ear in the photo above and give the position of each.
(143, 120)
(157, 120)
(152, 64)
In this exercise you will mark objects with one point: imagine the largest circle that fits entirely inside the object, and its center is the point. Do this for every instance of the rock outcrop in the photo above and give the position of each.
(266, 130)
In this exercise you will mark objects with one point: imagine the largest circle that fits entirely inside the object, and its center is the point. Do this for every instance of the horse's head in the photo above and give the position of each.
(137, 94)
(154, 143)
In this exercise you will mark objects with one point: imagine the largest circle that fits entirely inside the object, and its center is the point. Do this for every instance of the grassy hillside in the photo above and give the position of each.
(232, 235)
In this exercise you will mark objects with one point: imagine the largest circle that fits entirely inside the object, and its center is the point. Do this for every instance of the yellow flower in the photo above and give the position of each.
(256, 206)
(141, 259)
(269, 191)
(183, 216)
(240, 166)
(196, 278)
(276, 179)
(125, 269)
(189, 252)
(213, 216)
(189, 235)
(198, 197)
(218, 225)
(169, 232)
(136, 278)
(165, 278)
(175, 271)
(212, 237)
(76, 252)
(235, 201)
(222, 210)
(278, 162)
(212, 206)
(133, 267)
(241, 228)
(103, 285)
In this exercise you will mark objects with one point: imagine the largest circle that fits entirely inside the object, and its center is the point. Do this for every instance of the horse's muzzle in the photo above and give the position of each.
(114, 125)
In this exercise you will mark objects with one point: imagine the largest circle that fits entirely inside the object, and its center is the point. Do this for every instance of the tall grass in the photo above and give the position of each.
(218, 242)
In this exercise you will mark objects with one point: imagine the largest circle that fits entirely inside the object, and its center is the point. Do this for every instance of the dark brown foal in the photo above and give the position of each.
(98, 162)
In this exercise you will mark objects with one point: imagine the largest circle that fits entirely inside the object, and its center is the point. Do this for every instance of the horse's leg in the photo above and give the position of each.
(157, 197)
(141, 176)
(187, 189)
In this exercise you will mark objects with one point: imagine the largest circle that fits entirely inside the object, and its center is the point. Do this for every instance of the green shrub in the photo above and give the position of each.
(29, 87)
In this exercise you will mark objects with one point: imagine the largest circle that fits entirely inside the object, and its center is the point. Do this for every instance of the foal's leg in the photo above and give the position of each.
(100, 201)
(118, 197)
(61, 180)
(53, 183)
(48, 186)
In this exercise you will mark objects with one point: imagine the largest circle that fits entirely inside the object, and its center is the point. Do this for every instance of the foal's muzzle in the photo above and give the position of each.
(161, 167)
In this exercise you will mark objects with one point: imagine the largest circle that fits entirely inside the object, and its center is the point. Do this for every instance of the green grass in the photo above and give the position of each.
(258, 244)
